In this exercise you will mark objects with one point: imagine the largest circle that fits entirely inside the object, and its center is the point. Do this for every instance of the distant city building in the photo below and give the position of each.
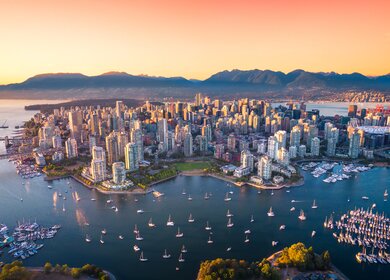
(71, 148)
(264, 168)
(112, 148)
(273, 147)
(315, 147)
(188, 149)
(131, 157)
(247, 160)
(118, 172)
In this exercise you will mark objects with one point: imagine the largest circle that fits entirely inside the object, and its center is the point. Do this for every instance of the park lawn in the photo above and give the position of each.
(188, 166)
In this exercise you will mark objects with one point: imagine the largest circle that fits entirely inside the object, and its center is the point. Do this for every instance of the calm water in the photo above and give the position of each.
(118, 256)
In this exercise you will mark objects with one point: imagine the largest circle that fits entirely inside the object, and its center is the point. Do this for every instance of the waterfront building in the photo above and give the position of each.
(92, 143)
(71, 148)
(315, 147)
(247, 160)
(98, 170)
(292, 152)
(123, 139)
(131, 156)
(264, 167)
(118, 172)
(281, 137)
(354, 144)
(283, 156)
(57, 156)
(219, 151)
(302, 151)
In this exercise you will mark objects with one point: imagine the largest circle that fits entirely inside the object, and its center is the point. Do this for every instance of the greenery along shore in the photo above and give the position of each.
(16, 271)
(294, 259)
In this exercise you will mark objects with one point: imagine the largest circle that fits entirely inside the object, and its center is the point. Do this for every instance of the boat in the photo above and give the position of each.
(140, 211)
(248, 231)
(63, 208)
(87, 238)
(142, 258)
(136, 231)
(210, 241)
(116, 209)
(386, 194)
(191, 219)
(170, 222)
(228, 214)
(282, 227)
(183, 249)
(270, 213)
(313, 233)
(179, 234)
(120, 237)
(208, 227)
(252, 219)
(206, 196)
(227, 198)
(272, 192)
(166, 255)
(49, 187)
(365, 198)
(373, 205)
(302, 216)
(104, 231)
(136, 248)
(109, 201)
(189, 197)
(183, 192)
(287, 191)
(274, 243)
(314, 206)
(228, 249)
(246, 239)
(93, 199)
(138, 237)
(76, 195)
(231, 192)
(151, 224)
(157, 194)
(181, 259)
(230, 223)
(101, 239)
(292, 209)
(21, 199)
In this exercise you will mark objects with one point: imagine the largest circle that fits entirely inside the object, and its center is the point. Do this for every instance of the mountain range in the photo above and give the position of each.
(225, 81)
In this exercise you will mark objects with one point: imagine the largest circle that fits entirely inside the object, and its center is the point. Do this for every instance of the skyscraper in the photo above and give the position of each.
(118, 172)
(112, 148)
(273, 146)
(136, 137)
(75, 124)
(295, 136)
(162, 133)
(71, 148)
(354, 144)
(315, 147)
(281, 137)
(131, 157)
(264, 167)
(198, 99)
(188, 145)
(98, 164)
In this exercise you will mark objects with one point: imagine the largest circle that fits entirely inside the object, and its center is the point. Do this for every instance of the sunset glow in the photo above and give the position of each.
(193, 39)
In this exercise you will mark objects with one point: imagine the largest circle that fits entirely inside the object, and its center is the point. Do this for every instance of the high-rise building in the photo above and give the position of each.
(283, 156)
(281, 137)
(295, 136)
(136, 137)
(352, 110)
(71, 148)
(92, 143)
(112, 148)
(75, 124)
(247, 160)
(273, 147)
(57, 142)
(131, 156)
(354, 144)
(219, 151)
(119, 114)
(188, 144)
(302, 151)
(264, 167)
(292, 152)
(123, 139)
(315, 147)
(98, 170)
(118, 172)
(162, 133)
(198, 99)
(231, 142)
(94, 124)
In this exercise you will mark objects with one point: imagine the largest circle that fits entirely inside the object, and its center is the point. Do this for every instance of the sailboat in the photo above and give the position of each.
(292, 209)
(181, 259)
(179, 234)
(166, 255)
(302, 216)
(104, 231)
(142, 258)
(170, 222)
(252, 219)
(63, 207)
(228, 249)
(87, 238)
(313, 233)
(151, 224)
(183, 249)
(282, 227)
(210, 241)
(230, 223)
(227, 198)
(272, 192)
(116, 209)
(206, 196)
(101, 239)
(191, 219)
(246, 238)
(386, 194)
(139, 237)
(120, 237)
(183, 192)
(189, 197)
(136, 248)
(270, 213)
(274, 243)
(208, 227)
(228, 214)
(49, 187)
(136, 231)
(314, 206)
(76, 195)
(140, 211)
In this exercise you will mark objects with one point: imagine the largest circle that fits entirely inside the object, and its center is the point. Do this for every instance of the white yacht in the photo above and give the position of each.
(189, 197)
(139, 237)
(208, 227)
(248, 231)
(183, 249)
(191, 219)
(230, 223)
(136, 248)
(93, 199)
(49, 187)
(181, 259)
(183, 192)
(210, 241)
(282, 227)
(386, 194)
(270, 213)
(252, 219)
(142, 258)
(206, 196)
(179, 234)
(227, 198)
(166, 255)
(292, 209)
(121, 237)
(313, 233)
(302, 216)
(228, 214)
(170, 222)
(87, 238)
(365, 198)
(314, 206)
(101, 239)
(104, 231)
(274, 243)
(246, 239)
(140, 211)
(228, 249)
(136, 231)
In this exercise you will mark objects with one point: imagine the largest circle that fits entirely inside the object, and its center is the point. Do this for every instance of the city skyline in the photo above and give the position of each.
(193, 40)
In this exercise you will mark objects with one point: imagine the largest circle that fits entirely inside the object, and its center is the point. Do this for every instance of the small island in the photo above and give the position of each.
(295, 262)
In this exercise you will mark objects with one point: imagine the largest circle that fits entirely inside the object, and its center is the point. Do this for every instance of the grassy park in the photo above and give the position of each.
(188, 166)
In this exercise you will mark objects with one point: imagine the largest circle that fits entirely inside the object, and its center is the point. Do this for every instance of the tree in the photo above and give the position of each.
(64, 269)
(326, 259)
(47, 268)
(75, 272)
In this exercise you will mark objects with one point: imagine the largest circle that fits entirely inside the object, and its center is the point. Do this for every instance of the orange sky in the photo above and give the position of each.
(193, 39)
